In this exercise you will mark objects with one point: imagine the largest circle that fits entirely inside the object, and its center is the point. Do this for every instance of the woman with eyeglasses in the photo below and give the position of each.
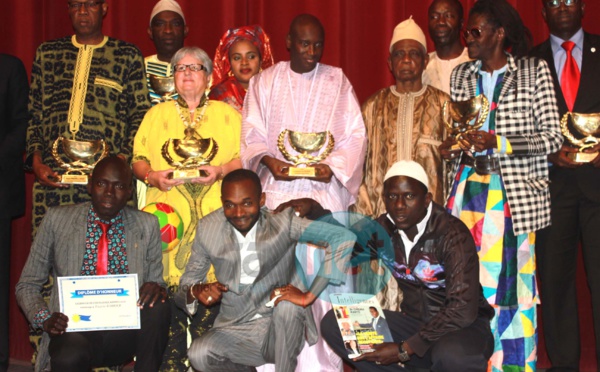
(499, 174)
(242, 53)
(192, 115)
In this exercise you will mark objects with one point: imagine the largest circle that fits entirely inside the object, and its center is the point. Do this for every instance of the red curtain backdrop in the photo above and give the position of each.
(358, 33)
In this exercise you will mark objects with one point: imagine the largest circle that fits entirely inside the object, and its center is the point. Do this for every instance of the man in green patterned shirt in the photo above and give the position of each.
(87, 86)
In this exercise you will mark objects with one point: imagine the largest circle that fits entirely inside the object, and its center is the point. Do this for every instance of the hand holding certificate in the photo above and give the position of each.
(104, 302)
(56, 324)
(150, 292)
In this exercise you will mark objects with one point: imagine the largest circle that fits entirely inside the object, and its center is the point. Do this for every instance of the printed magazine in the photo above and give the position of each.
(361, 322)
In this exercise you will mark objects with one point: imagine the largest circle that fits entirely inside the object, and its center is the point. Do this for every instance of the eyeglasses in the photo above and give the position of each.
(556, 3)
(475, 32)
(195, 67)
(94, 5)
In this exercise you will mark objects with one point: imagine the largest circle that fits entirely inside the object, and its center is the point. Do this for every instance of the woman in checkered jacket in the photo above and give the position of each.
(499, 173)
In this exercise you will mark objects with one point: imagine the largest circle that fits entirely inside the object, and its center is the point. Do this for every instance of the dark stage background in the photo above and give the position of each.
(357, 39)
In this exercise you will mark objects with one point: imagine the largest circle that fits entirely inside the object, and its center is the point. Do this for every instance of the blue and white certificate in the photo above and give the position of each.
(99, 303)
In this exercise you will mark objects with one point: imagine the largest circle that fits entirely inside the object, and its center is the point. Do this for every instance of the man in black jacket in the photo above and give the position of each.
(14, 91)
(574, 191)
(444, 323)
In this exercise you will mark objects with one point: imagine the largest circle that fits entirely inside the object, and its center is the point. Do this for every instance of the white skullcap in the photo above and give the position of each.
(164, 5)
(408, 168)
(408, 29)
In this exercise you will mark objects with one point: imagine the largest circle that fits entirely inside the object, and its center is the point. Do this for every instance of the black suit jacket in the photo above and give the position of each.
(14, 92)
(587, 101)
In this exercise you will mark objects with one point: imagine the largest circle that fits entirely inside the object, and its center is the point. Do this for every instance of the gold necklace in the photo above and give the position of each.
(188, 123)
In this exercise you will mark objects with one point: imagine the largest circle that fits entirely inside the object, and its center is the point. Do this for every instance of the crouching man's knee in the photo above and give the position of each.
(199, 352)
(453, 357)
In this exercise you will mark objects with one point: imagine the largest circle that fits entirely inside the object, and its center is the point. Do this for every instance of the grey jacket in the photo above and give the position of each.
(276, 239)
(58, 249)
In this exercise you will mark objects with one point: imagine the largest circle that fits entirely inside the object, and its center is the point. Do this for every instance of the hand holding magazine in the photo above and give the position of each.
(361, 322)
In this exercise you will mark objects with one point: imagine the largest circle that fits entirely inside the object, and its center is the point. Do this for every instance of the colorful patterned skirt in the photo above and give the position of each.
(507, 267)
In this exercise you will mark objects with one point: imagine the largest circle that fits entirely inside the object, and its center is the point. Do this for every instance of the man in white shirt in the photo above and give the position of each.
(445, 23)
(304, 95)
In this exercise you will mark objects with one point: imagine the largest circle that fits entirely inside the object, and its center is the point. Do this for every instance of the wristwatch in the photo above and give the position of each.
(402, 353)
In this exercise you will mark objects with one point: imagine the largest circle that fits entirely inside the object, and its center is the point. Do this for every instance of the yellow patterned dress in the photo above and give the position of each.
(192, 201)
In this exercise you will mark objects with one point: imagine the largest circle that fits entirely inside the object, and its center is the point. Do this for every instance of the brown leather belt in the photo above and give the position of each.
(483, 164)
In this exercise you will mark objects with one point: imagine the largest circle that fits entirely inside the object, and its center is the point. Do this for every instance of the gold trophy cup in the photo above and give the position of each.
(193, 151)
(459, 116)
(305, 144)
(163, 86)
(81, 154)
(587, 125)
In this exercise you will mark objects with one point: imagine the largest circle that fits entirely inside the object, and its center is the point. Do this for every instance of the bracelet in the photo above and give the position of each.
(192, 291)
(146, 178)
(221, 174)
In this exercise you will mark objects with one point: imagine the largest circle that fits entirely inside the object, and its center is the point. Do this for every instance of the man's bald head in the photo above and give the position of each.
(305, 41)
(306, 19)
(118, 164)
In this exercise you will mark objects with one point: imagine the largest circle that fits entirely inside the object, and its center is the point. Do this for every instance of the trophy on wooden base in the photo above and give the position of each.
(305, 144)
(81, 154)
(462, 117)
(587, 125)
(193, 152)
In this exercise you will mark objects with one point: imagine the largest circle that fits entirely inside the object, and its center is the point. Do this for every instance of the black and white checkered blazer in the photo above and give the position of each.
(527, 115)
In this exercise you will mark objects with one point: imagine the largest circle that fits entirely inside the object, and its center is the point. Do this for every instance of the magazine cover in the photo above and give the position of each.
(361, 322)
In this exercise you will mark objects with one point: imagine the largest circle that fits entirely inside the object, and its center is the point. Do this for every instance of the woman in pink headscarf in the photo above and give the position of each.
(242, 53)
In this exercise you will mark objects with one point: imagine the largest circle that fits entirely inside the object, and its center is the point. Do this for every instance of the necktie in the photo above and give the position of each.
(569, 81)
(102, 263)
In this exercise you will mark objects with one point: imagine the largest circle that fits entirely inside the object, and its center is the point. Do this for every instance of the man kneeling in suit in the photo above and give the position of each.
(253, 253)
(71, 242)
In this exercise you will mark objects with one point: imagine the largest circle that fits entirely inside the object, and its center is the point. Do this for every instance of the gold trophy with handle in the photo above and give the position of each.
(586, 125)
(193, 151)
(462, 117)
(83, 156)
(305, 144)
(163, 86)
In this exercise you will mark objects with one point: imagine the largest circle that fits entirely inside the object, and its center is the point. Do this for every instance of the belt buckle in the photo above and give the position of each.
(487, 164)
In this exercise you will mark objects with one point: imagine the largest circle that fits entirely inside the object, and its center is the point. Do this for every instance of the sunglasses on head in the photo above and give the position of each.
(556, 3)
(475, 32)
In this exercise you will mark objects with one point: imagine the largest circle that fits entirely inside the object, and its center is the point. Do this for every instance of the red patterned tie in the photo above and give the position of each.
(569, 81)
(102, 263)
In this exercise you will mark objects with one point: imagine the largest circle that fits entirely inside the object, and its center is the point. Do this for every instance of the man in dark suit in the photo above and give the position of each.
(69, 243)
(14, 91)
(574, 189)
(253, 253)
(379, 325)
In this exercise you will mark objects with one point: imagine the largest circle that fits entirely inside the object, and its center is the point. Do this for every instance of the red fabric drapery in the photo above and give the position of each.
(357, 39)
